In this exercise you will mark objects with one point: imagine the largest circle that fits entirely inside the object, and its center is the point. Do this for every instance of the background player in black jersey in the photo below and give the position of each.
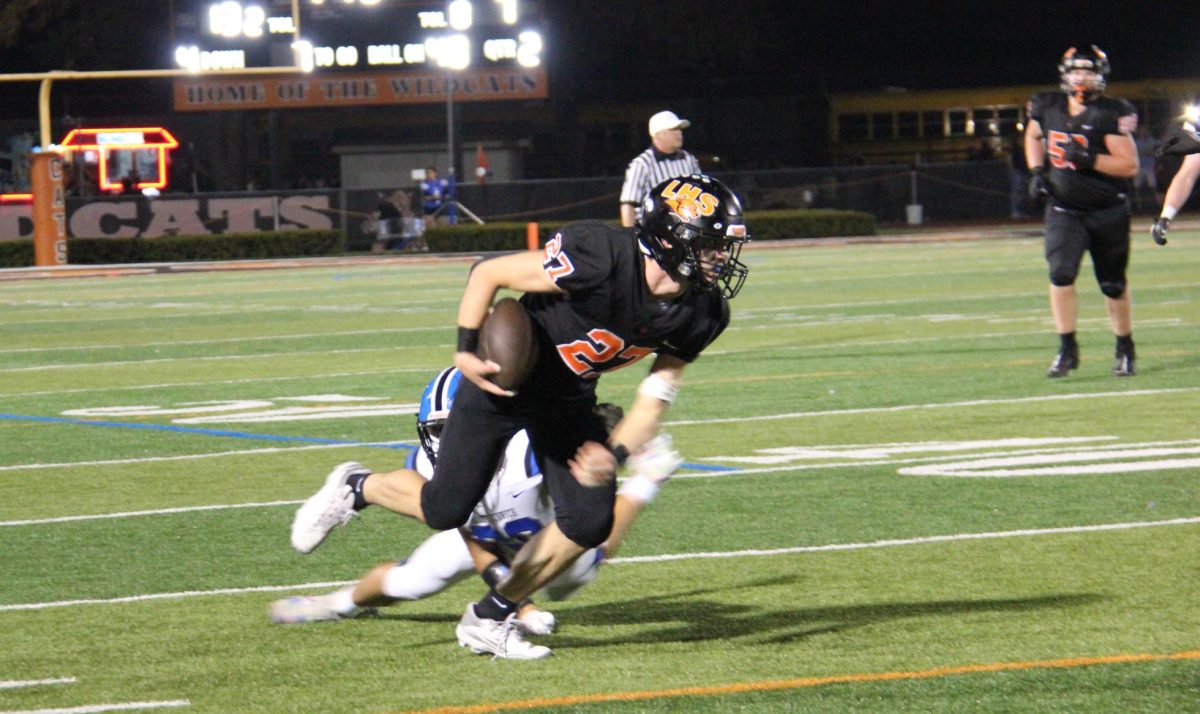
(1080, 149)
(600, 298)
(1181, 139)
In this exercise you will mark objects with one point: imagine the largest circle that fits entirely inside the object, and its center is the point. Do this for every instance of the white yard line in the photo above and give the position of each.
(934, 405)
(910, 541)
(210, 358)
(205, 383)
(650, 559)
(19, 683)
(935, 462)
(156, 512)
(175, 596)
(238, 340)
(192, 457)
(115, 707)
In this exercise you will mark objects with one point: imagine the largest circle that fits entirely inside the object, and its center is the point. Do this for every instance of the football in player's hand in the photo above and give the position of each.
(506, 338)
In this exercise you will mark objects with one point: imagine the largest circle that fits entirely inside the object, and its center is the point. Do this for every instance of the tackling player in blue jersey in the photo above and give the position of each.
(515, 507)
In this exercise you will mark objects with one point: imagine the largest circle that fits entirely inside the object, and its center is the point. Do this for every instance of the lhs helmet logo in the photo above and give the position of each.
(689, 201)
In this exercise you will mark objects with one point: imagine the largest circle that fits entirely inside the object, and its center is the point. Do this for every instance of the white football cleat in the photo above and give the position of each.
(537, 622)
(502, 640)
(299, 608)
(331, 506)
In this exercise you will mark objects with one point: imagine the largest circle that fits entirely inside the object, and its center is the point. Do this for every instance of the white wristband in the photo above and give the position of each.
(658, 387)
(639, 488)
(1168, 212)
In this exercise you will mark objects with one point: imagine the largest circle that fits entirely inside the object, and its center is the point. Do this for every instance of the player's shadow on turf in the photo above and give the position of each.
(686, 619)
(398, 613)
(597, 611)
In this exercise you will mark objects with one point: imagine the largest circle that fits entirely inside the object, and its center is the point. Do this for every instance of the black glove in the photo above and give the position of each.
(1181, 139)
(1079, 155)
(1037, 184)
(1159, 230)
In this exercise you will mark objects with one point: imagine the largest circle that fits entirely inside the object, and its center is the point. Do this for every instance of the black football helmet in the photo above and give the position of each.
(683, 219)
(1093, 60)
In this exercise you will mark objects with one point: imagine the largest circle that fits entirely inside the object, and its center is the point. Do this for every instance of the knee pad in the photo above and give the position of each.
(587, 529)
(1060, 278)
(1112, 288)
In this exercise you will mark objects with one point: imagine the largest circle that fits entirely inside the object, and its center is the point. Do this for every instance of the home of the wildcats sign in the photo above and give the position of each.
(129, 217)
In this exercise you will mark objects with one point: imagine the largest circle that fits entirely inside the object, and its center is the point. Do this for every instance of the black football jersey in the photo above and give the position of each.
(607, 319)
(1083, 189)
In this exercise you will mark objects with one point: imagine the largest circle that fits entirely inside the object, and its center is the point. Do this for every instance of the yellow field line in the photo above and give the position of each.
(801, 683)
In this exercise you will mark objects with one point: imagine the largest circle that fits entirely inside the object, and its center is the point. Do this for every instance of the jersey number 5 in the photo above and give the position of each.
(1056, 142)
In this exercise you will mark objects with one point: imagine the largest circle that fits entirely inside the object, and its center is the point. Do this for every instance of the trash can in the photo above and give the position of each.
(914, 214)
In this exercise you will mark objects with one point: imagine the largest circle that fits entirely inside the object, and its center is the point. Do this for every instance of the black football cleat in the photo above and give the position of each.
(1063, 363)
(1124, 365)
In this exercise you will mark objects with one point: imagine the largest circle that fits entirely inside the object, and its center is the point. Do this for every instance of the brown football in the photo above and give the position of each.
(506, 338)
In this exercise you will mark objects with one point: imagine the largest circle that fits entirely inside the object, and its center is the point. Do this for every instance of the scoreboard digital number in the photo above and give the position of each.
(358, 34)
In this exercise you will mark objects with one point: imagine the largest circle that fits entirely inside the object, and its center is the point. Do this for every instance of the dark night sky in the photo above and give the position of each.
(631, 49)
(818, 45)
(710, 54)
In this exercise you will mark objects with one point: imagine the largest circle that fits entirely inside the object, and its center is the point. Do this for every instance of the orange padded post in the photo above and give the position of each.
(49, 209)
(531, 236)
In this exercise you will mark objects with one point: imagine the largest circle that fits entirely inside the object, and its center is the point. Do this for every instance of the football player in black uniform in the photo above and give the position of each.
(600, 298)
(1080, 149)
(1181, 139)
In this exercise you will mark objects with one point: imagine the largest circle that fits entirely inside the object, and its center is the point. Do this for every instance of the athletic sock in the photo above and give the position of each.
(1125, 344)
(355, 481)
(342, 601)
(495, 606)
(1067, 342)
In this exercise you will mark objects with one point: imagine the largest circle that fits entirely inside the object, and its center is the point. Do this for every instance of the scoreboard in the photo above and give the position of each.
(358, 35)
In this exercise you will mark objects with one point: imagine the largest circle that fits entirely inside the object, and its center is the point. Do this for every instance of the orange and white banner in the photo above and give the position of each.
(333, 90)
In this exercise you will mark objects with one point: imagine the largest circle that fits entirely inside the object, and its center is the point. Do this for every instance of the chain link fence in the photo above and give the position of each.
(950, 192)
(947, 192)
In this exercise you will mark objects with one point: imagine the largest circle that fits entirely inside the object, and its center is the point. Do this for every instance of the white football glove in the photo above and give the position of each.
(657, 460)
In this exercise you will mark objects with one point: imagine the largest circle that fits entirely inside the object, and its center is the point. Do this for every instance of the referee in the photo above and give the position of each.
(664, 159)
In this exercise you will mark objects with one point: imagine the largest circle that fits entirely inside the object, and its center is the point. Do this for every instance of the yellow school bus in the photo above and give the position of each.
(901, 126)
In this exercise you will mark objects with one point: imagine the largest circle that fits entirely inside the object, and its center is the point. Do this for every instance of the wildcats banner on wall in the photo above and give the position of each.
(129, 217)
(345, 90)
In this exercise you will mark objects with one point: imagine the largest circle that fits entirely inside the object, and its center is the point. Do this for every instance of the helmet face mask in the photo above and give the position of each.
(694, 229)
(436, 401)
(1084, 73)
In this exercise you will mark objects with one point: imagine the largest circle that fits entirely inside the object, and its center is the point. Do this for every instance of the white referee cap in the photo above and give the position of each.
(667, 120)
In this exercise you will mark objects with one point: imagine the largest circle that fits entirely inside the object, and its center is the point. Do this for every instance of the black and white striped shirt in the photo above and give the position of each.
(650, 168)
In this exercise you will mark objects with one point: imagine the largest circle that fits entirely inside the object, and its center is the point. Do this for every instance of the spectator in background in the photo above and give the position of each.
(983, 152)
(388, 215)
(1017, 168)
(665, 159)
(434, 193)
(1147, 175)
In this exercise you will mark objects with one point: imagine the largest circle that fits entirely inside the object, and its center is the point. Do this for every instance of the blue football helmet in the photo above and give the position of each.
(436, 401)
